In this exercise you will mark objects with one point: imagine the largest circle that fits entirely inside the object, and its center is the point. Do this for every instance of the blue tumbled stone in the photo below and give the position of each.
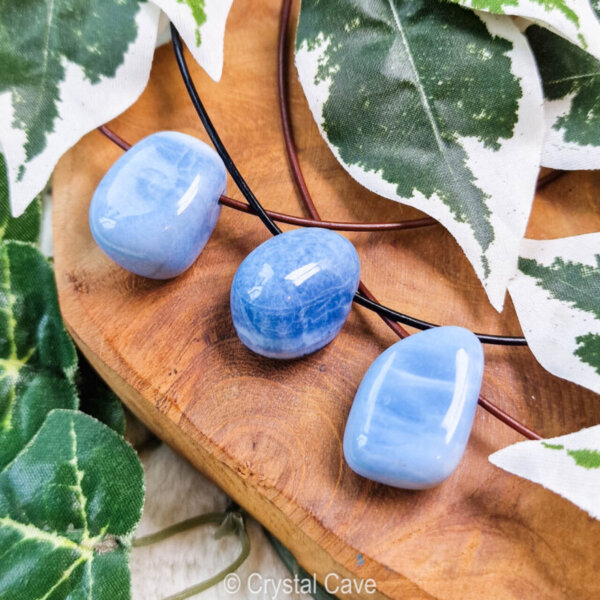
(155, 209)
(412, 415)
(292, 294)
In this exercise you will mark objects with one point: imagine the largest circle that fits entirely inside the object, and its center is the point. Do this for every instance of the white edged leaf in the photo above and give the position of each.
(201, 24)
(556, 294)
(571, 82)
(453, 128)
(568, 465)
(575, 20)
(74, 70)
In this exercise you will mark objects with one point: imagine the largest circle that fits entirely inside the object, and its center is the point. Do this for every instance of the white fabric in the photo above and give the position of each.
(174, 492)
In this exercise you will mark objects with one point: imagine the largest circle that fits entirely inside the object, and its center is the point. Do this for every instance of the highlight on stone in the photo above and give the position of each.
(412, 414)
(157, 206)
(292, 294)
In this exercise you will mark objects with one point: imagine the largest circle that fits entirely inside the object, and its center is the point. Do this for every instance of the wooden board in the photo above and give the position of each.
(269, 432)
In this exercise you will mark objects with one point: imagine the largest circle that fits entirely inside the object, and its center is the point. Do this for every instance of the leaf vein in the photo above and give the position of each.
(42, 86)
(65, 576)
(81, 499)
(574, 77)
(421, 90)
(55, 539)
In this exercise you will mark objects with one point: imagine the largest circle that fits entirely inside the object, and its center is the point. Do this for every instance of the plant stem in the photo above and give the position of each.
(164, 534)
(221, 575)
(238, 526)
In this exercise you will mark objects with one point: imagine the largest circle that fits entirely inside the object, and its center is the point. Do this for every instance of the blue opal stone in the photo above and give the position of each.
(292, 294)
(155, 209)
(412, 415)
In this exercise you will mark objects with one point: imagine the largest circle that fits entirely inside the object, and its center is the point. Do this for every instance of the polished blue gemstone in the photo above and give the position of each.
(155, 209)
(293, 293)
(412, 415)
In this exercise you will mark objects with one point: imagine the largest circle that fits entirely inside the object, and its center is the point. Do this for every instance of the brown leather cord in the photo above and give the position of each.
(334, 225)
(340, 226)
(113, 137)
(549, 178)
(291, 219)
(292, 154)
(255, 207)
(282, 71)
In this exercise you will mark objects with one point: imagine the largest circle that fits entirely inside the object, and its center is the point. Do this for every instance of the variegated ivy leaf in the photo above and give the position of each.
(556, 294)
(28, 226)
(201, 24)
(574, 20)
(571, 81)
(568, 465)
(37, 357)
(434, 106)
(69, 503)
(66, 67)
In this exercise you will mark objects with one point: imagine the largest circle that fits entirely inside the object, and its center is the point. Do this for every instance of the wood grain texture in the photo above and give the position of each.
(269, 433)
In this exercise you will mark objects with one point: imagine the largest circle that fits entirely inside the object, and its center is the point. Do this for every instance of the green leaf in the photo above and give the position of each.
(568, 465)
(71, 490)
(97, 399)
(27, 227)
(556, 294)
(69, 503)
(201, 24)
(79, 64)
(571, 81)
(574, 20)
(37, 357)
(451, 128)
